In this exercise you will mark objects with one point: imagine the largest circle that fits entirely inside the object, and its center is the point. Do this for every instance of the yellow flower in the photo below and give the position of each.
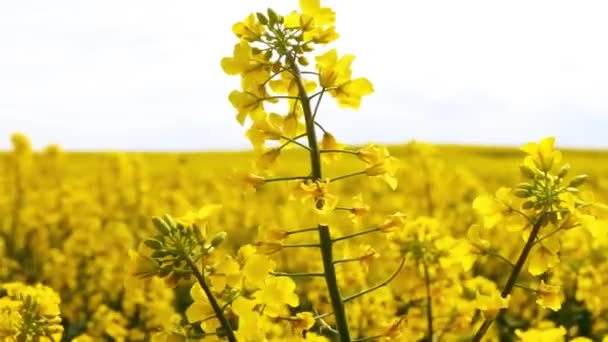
(264, 129)
(21, 144)
(247, 103)
(249, 29)
(267, 158)
(275, 293)
(335, 75)
(226, 272)
(256, 269)
(380, 163)
(549, 296)
(393, 222)
(303, 321)
(199, 216)
(316, 192)
(201, 310)
(246, 63)
(490, 304)
(373, 154)
(329, 142)
(288, 84)
(544, 256)
(543, 154)
(498, 210)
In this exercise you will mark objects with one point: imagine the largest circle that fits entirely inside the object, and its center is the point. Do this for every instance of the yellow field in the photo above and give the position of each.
(68, 221)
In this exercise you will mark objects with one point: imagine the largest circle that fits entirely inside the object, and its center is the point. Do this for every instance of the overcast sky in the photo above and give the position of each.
(145, 74)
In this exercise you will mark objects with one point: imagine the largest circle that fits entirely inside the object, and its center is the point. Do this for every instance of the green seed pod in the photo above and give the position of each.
(527, 171)
(563, 171)
(578, 181)
(218, 239)
(154, 244)
(161, 226)
(262, 18)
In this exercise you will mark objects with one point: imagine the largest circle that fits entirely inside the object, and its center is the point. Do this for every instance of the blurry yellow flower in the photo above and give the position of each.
(329, 142)
(549, 296)
(393, 222)
(541, 335)
(199, 216)
(303, 321)
(267, 158)
(257, 268)
(498, 210)
(275, 293)
(226, 272)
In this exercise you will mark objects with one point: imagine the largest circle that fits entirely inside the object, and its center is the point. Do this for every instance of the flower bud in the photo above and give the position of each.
(527, 205)
(521, 193)
(262, 18)
(154, 244)
(273, 18)
(563, 171)
(527, 172)
(161, 226)
(578, 181)
(218, 239)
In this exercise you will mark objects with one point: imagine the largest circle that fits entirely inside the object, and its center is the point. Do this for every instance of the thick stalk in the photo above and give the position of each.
(217, 309)
(514, 274)
(324, 233)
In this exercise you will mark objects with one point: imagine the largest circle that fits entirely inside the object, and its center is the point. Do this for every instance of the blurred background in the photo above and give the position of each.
(145, 75)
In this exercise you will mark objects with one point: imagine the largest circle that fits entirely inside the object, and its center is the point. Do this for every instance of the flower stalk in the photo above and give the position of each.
(511, 282)
(325, 239)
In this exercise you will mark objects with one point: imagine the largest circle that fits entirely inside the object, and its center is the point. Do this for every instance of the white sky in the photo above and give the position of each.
(144, 74)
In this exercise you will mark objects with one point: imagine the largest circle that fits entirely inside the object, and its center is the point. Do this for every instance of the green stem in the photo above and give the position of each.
(285, 179)
(384, 283)
(324, 233)
(347, 176)
(217, 309)
(350, 236)
(293, 141)
(514, 273)
(429, 303)
(296, 275)
(291, 232)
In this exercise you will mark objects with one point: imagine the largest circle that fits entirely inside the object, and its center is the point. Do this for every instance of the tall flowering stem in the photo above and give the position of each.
(324, 233)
